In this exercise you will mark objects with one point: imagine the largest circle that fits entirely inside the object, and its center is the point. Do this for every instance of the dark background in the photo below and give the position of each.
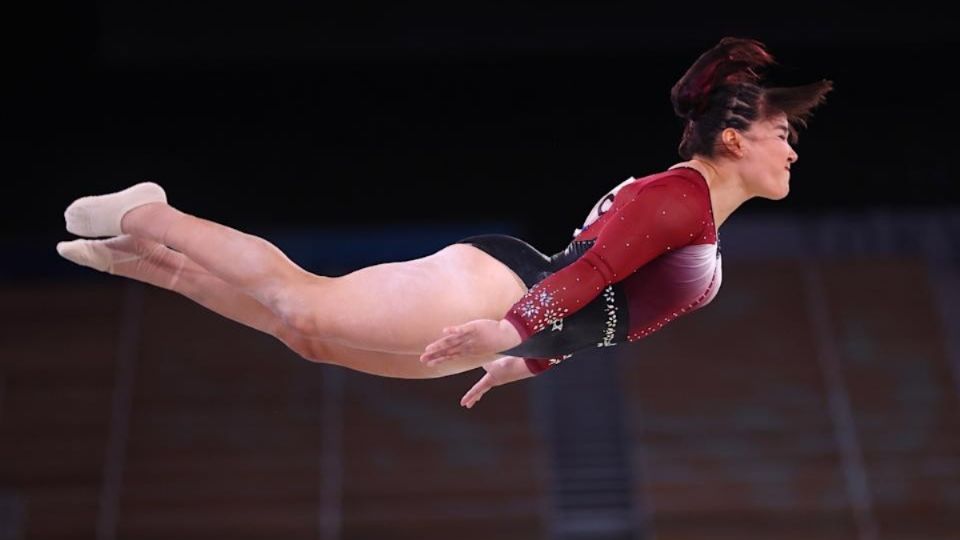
(817, 397)
(293, 114)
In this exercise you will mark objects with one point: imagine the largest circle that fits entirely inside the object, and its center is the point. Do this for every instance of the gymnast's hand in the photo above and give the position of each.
(475, 338)
(500, 371)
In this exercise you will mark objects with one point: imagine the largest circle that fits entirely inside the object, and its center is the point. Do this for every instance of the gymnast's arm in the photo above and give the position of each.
(659, 218)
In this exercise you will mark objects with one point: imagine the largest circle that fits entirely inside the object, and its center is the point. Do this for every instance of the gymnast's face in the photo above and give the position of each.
(766, 156)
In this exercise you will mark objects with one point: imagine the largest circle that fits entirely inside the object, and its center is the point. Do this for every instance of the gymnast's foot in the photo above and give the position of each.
(103, 255)
(100, 215)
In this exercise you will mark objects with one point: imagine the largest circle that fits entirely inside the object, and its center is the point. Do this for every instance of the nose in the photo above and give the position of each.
(793, 157)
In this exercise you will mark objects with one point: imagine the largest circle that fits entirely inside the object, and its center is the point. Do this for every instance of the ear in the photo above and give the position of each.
(732, 141)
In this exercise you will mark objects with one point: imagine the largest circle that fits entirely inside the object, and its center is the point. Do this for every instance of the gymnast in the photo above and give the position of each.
(647, 253)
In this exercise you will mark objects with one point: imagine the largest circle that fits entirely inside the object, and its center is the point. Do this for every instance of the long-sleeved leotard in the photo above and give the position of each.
(647, 254)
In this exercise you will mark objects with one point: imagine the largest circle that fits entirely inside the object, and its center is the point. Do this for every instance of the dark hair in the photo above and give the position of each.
(723, 89)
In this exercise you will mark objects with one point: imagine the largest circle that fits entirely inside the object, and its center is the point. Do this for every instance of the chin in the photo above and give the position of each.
(776, 196)
(784, 191)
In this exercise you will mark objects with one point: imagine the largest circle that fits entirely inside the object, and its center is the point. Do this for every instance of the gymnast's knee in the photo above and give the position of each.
(312, 350)
(301, 319)
(301, 311)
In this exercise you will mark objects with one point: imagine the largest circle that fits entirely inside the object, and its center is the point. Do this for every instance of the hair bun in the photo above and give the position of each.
(732, 61)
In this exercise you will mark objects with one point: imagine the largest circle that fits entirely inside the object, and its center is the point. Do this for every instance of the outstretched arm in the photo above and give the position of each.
(658, 219)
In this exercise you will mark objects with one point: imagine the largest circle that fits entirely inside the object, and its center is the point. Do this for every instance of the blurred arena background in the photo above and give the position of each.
(817, 397)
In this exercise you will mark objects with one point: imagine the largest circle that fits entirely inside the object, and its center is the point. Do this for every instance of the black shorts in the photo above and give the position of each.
(601, 323)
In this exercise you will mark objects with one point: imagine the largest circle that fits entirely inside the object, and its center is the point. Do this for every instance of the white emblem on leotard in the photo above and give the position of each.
(602, 206)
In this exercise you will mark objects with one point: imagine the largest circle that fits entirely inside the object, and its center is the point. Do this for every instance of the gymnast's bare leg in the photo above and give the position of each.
(153, 263)
(395, 307)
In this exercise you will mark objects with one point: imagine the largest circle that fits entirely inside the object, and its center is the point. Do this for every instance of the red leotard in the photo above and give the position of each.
(655, 238)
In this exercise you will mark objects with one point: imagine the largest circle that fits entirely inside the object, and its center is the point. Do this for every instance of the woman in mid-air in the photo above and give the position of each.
(646, 254)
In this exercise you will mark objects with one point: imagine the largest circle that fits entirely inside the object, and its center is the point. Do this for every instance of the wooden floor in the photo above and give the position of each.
(806, 402)
(228, 434)
(740, 434)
